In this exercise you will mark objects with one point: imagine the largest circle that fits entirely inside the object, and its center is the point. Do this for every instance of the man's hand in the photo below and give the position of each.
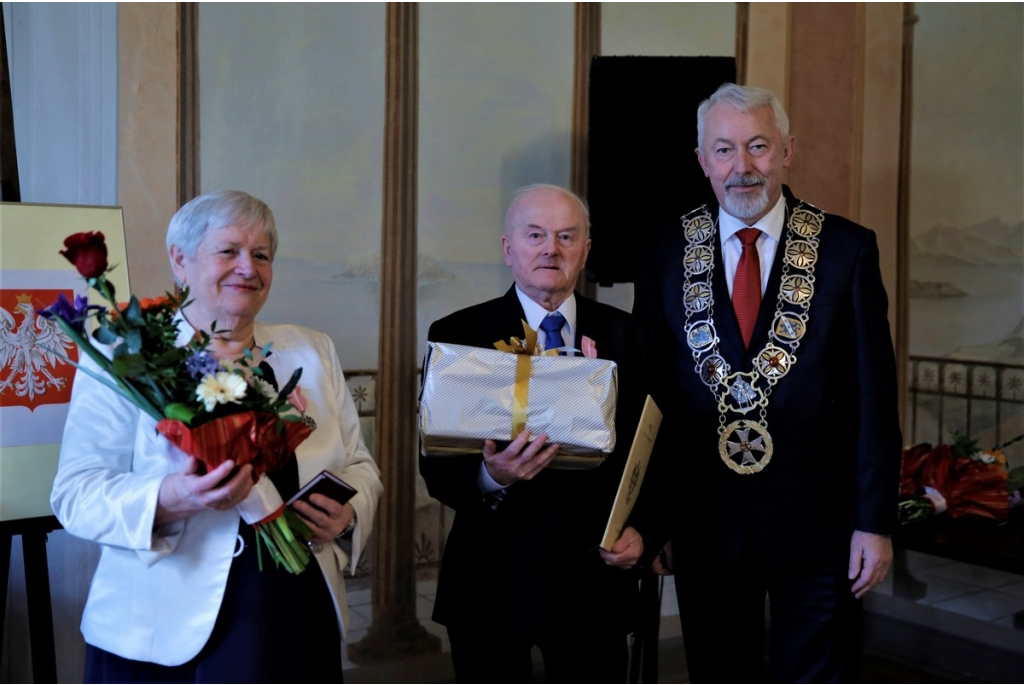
(521, 460)
(870, 558)
(662, 564)
(626, 551)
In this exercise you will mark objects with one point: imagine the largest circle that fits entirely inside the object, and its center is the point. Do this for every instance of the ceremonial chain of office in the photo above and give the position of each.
(739, 393)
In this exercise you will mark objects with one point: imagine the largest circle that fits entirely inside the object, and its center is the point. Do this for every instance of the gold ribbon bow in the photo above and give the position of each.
(524, 348)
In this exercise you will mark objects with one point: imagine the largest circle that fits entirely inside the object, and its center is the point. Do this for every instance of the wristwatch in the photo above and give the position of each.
(351, 524)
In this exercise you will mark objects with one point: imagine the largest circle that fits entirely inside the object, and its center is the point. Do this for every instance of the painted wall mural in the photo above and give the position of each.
(967, 219)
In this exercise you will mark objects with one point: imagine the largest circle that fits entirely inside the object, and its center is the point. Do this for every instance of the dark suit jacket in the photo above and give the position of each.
(833, 417)
(534, 557)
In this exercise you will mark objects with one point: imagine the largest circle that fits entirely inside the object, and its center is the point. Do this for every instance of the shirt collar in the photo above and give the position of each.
(535, 313)
(185, 330)
(770, 224)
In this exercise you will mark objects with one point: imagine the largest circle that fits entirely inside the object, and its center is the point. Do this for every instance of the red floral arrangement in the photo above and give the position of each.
(957, 480)
(209, 409)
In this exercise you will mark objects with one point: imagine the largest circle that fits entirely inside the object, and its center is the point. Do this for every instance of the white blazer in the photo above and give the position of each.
(157, 591)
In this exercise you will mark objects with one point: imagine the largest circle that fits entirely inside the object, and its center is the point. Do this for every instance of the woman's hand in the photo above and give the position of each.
(327, 519)
(187, 493)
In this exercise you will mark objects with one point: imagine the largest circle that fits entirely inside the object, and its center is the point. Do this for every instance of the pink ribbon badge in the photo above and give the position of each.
(298, 400)
(589, 348)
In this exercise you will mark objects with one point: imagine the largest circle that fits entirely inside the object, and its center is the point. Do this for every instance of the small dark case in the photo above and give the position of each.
(324, 483)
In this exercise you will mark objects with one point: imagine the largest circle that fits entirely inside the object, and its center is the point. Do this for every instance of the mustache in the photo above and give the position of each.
(746, 181)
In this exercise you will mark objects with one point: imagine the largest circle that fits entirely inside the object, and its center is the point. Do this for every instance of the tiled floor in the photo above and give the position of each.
(981, 593)
(945, 586)
(361, 609)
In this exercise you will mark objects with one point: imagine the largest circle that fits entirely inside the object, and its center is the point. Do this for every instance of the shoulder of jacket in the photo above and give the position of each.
(592, 307)
(473, 313)
(834, 225)
(290, 336)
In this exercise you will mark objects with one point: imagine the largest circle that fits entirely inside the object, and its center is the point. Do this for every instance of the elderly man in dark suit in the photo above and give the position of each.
(521, 565)
(769, 321)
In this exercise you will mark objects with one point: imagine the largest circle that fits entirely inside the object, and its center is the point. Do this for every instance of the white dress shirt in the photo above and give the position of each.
(157, 590)
(771, 225)
(535, 314)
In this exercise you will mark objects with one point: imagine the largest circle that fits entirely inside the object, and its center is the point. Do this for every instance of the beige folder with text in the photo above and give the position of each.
(634, 472)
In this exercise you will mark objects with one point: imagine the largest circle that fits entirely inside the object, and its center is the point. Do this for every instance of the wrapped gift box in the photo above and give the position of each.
(469, 395)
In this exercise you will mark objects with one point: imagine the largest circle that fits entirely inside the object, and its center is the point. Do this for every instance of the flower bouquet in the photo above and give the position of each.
(209, 409)
(959, 480)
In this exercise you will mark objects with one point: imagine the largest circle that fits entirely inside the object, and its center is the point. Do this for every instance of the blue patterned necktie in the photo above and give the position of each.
(552, 327)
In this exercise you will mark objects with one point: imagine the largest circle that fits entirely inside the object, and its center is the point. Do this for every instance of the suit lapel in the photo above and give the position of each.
(584, 321)
(512, 318)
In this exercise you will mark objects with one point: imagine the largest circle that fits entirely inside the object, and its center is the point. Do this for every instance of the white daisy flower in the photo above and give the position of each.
(220, 389)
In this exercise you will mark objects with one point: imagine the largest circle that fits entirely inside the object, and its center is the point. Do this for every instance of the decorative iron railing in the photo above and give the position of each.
(981, 399)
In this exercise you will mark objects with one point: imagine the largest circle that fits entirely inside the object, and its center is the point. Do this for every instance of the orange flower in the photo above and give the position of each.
(146, 304)
(151, 303)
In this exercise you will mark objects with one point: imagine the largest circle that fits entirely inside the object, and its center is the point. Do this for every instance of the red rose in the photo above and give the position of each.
(88, 252)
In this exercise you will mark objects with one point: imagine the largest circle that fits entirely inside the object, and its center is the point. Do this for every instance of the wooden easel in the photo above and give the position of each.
(33, 531)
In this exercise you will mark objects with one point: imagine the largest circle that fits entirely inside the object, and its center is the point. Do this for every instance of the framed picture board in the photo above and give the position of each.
(34, 396)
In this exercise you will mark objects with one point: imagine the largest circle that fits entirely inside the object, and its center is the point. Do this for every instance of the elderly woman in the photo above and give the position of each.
(178, 596)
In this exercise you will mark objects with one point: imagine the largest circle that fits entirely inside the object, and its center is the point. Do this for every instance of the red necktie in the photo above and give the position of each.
(746, 287)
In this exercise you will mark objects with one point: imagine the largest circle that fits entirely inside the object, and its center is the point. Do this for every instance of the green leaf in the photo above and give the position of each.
(297, 524)
(127, 365)
(104, 335)
(1016, 481)
(290, 385)
(167, 359)
(106, 288)
(133, 314)
(133, 340)
(179, 412)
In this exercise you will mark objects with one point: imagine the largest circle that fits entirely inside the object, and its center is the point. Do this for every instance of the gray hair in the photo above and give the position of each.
(216, 210)
(743, 99)
(568, 194)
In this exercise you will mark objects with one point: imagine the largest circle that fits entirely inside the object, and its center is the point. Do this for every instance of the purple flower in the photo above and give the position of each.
(73, 315)
(201, 364)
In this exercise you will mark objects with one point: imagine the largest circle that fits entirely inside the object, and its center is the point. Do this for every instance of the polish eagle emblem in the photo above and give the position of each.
(33, 353)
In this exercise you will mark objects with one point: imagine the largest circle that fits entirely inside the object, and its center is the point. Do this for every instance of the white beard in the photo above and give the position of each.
(747, 205)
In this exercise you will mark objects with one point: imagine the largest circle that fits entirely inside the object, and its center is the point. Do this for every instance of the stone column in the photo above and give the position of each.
(188, 101)
(840, 70)
(149, 155)
(587, 46)
(394, 630)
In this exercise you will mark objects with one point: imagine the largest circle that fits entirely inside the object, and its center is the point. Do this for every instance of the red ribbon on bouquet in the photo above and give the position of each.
(970, 488)
(249, 437)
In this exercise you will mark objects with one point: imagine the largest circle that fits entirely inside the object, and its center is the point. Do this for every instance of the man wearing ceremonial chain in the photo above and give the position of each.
(777, 366)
